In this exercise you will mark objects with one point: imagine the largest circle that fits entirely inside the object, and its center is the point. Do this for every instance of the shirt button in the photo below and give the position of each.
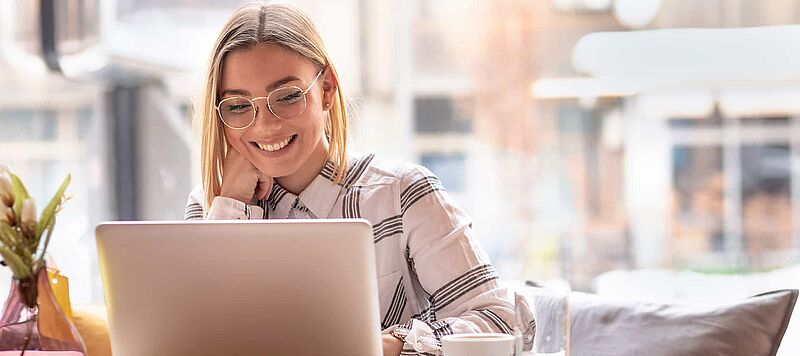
(418, 345)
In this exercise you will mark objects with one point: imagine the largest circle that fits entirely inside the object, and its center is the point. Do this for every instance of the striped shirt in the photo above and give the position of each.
(433, 278)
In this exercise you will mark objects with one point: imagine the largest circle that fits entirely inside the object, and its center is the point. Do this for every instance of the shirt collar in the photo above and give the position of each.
(319, 197)
(279, 201)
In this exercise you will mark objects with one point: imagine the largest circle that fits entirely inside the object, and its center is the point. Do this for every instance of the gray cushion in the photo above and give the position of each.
(603, 326)
(754, 326)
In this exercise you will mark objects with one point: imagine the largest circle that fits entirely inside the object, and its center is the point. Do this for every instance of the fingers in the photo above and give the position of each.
(264, 186)
(240, 178)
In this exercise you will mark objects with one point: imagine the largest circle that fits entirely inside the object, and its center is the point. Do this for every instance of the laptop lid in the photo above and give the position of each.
(272, 287)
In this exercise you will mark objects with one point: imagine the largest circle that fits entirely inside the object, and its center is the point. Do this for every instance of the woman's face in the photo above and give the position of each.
(256, 72)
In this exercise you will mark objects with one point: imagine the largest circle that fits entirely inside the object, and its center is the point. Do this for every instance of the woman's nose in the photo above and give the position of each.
(265, 120)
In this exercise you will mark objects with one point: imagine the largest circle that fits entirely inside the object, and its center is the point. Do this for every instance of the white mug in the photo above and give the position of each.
(478, 345)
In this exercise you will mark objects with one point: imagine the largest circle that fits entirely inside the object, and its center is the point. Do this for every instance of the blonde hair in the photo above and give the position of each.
(252, 25)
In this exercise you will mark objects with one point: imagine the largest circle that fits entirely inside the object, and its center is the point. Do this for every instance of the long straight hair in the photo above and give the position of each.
(252, 25)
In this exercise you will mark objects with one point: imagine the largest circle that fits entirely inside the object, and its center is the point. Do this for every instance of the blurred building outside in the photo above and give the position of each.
(559, 187)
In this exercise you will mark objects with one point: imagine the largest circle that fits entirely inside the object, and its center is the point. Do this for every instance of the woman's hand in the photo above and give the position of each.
(241, 180)
(392, 346)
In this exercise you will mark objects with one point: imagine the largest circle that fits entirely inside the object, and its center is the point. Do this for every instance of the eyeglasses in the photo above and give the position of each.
(240, 112)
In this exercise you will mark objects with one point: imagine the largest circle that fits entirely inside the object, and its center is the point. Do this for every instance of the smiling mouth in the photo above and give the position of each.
(276, 146)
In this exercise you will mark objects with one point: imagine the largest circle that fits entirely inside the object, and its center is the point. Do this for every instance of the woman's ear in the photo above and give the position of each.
(329, 87)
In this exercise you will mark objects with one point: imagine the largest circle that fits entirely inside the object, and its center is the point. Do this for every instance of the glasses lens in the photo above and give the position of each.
(236, 112)
(287, 102)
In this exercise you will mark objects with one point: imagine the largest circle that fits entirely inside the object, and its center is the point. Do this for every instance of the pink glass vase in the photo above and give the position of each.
(33, 320)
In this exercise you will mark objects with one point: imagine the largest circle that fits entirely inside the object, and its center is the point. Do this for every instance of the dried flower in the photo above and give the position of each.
(6, 191)
(23, 238)
(7, 215)
(28, 218)
(28, 212)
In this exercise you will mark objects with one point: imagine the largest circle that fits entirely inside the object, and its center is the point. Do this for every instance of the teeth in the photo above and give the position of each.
(274, 147)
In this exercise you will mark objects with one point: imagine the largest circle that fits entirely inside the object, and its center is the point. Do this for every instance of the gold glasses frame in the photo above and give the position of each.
(269, 106)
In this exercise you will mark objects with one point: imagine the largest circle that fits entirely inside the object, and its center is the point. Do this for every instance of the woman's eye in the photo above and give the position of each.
(290, 98)
(238, 108)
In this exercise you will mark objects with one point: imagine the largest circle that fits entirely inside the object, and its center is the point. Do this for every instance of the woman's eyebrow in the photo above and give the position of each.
(270, 87)
(280, 82)
(235, 91)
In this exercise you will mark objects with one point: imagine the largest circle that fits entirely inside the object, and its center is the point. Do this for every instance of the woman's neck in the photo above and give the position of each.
(296, 182)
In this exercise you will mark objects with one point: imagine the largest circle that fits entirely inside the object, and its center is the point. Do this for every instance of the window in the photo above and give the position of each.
(766, 205)
(77, 25)
(698, 195)
(449, 167)
(440, 114)
(27, 125)
(732, 195)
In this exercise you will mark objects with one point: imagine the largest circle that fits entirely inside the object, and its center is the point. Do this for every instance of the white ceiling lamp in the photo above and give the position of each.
(710, 59)
(597, 5)
(564, 5)
(636, 14)
(582, 5)
(563, 88)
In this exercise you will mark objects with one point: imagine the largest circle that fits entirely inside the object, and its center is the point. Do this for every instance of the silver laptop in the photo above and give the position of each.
(288, 287)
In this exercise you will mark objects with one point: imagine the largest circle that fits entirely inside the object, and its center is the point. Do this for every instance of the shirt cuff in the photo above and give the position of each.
(418, 337)
(224, 208)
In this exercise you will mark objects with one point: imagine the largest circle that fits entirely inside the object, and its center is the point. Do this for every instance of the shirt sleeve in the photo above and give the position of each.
(459, 281)
(222, 208)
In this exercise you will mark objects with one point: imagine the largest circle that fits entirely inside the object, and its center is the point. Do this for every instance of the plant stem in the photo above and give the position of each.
(47, 239)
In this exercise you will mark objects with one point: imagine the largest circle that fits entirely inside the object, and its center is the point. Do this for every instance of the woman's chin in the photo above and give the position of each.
(277, 173)
(277, 167)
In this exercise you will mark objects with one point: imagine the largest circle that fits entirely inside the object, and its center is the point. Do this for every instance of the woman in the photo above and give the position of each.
(274, 145)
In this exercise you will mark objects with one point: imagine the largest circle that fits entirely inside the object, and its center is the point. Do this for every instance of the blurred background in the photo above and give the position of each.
(590, 140)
